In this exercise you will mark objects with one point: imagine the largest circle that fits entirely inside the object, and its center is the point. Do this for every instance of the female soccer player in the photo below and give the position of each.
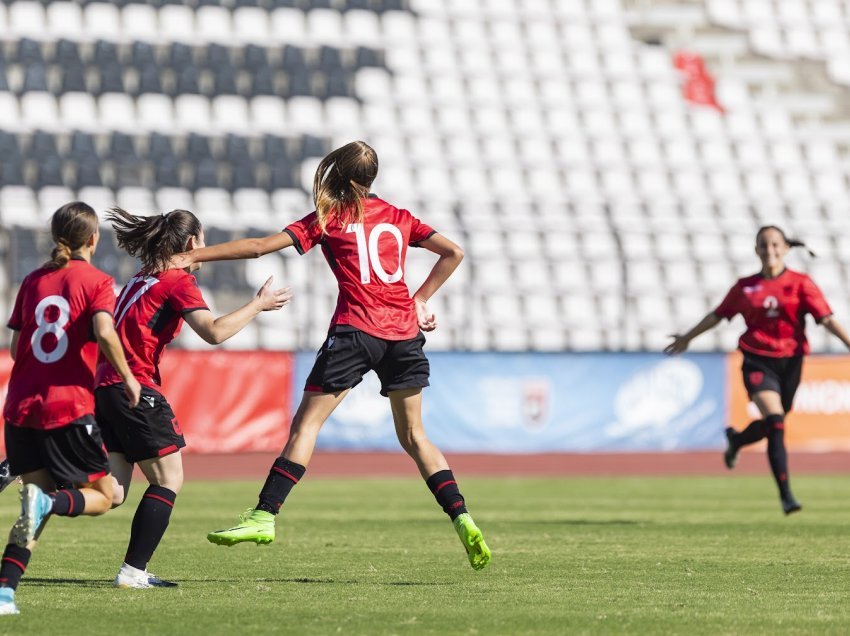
(774, 303)
(376, 326)
(148, 315)
(52, 440)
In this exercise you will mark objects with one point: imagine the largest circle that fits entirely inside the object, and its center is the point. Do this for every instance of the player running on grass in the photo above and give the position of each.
(62, 315)
(148, 315)
(376, 326)
(774, 304)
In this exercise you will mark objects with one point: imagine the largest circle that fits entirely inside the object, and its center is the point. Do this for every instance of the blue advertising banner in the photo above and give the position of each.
(532, 403)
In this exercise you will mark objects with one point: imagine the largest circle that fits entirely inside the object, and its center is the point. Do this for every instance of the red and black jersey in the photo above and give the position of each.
(368, 261)
(775, 310)
(52, 381)
(149, 315)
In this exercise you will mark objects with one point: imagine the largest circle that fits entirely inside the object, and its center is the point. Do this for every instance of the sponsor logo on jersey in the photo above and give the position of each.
(148, 399)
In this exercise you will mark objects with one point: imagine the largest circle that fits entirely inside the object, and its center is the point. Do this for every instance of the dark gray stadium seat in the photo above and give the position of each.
(29, 52)
(143, 55)
(187, 81)
(255, 57)
(42, 146)
(35, 78)
(168, 173)
(4, 84)
(67, 53)
(281, 175)
(180, 56)
(243, 175)
(262, 82)
(121, 145)
(159, 147)
(236, 149)
(225, 81)
(11, 172)
(73, 78)
(105, 53)
(149, 81)
(82, 147)
(197, 148)
(87, 175)
(206, 174)
(111, 78)
(49, 173)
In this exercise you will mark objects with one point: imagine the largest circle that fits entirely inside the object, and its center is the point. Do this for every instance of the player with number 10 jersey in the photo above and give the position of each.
(376, 326)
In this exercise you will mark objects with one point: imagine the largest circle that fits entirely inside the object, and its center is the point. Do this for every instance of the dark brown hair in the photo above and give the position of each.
(791, 242)
(154, 239)
(72, 226)
(342, 182)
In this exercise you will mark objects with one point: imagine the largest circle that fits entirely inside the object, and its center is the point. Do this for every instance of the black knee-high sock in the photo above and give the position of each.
(283, 475)
(755, 431)
(13, 565)
(149, 524)
(68, 502)
(777, 454)
(444, 487)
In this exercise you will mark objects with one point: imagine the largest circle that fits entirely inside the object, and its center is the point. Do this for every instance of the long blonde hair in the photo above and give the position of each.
(342, 181)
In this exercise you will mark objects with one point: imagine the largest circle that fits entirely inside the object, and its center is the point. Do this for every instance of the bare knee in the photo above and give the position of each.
(412, 441)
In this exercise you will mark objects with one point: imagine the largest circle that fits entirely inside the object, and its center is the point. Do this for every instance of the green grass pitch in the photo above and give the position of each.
(673, 555)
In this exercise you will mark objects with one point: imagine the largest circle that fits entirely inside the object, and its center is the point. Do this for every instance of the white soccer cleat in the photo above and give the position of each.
(7, 602)
(129, 577)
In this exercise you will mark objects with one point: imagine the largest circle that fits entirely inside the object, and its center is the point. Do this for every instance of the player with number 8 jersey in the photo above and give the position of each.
(62, 315)
(376, 326)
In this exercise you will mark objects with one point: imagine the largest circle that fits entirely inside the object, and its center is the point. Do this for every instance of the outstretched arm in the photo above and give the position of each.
(217, 330)
(680, 342)
(836, 329)
(232, 250)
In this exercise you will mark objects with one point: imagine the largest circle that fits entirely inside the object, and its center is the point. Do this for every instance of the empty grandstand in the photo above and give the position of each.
(603, 201)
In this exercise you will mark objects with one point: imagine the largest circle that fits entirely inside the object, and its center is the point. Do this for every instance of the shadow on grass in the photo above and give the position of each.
(101, 583)
(587, 522)
(45, 582)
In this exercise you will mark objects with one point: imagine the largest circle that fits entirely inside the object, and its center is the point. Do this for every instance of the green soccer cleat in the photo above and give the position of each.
(254, 525)
(473, 541)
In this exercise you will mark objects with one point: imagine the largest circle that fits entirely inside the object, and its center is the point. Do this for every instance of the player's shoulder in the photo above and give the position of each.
(792, 274)
(176, 278)
(88, 273)
(384, 209)
(751, 280)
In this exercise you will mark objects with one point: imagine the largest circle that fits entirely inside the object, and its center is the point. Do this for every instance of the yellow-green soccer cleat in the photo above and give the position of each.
(473, 541)
(256, 526)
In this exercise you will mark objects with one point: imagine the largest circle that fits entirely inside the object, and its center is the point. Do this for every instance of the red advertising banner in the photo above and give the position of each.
(820, 419)
(225, 401)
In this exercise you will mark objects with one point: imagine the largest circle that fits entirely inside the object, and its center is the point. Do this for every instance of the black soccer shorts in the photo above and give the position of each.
(348, 354)
(73, 454)
(147, 431)
(782, 375)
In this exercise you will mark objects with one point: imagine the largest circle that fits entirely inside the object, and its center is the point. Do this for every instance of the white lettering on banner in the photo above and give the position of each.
(823, 397)
(654, 397)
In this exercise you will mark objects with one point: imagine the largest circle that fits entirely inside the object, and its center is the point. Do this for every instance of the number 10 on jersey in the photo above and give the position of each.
(367, 251)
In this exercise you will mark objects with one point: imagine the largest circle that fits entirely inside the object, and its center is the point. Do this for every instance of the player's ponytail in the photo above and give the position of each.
(154, 239)
(342, 181)
(72, 226)
(791, 242)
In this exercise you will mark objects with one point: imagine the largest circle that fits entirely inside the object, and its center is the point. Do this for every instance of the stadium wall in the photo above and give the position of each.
(501, 403)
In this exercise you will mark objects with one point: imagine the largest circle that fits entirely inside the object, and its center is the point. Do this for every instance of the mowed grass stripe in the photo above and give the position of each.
(676, 555)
